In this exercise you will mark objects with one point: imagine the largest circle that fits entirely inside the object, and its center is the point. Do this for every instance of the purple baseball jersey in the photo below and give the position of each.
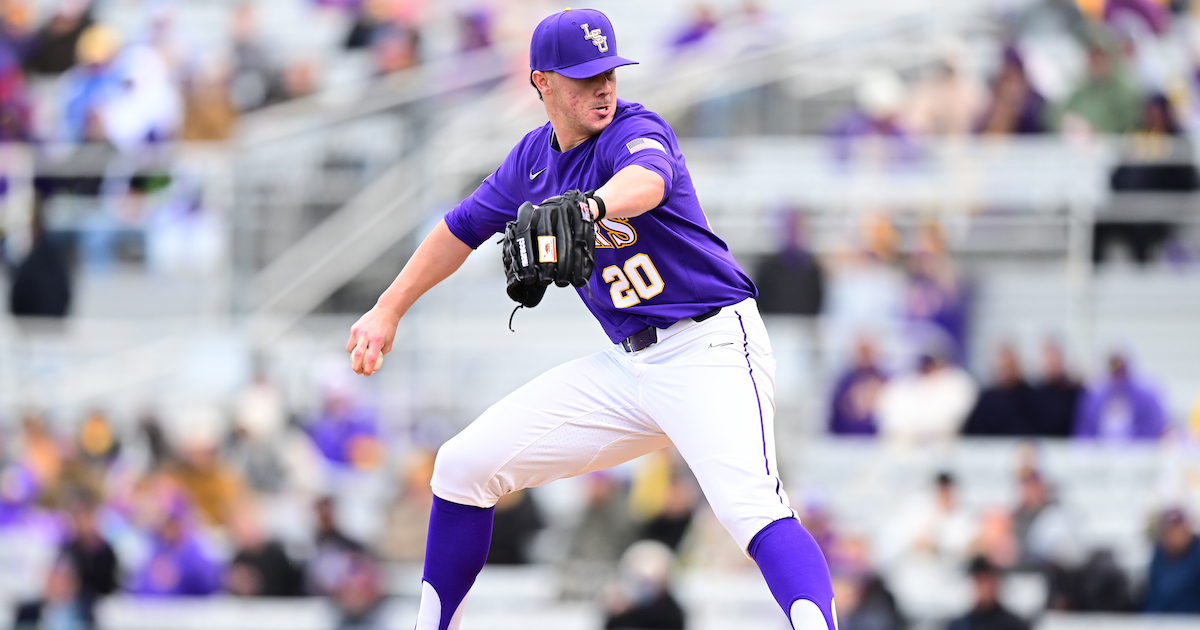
(651, 270)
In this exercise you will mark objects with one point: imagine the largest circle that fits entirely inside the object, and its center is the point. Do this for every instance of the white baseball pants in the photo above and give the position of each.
(706, 387)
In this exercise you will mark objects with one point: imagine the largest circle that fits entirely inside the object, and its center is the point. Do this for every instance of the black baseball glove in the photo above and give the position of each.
(552, 242)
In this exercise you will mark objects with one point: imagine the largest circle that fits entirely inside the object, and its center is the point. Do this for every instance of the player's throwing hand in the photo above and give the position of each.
(371, 338)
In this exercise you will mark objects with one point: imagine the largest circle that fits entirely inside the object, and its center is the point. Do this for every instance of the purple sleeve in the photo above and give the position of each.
(486, 210)
(648, 145)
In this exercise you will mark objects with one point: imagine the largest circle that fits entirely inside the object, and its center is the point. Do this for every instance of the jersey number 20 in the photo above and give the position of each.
(639, 281)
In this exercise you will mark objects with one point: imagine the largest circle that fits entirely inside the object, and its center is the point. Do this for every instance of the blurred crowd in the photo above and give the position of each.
(936, 538)
(68, 76)
(903, 306)
(256, 500)
(239, 501)
(1064, 66)
(251, 500)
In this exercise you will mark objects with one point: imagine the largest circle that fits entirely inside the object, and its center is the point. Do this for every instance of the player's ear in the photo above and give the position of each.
(541, 81)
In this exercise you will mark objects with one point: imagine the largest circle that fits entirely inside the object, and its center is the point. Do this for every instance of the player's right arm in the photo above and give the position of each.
(464, 228)
(439, 255)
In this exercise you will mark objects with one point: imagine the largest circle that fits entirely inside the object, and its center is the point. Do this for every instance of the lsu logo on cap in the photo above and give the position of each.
(600, 41)
(547, 249)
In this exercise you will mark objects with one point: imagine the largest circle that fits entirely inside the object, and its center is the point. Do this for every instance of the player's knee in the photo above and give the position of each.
(746, 515)
(462, 475)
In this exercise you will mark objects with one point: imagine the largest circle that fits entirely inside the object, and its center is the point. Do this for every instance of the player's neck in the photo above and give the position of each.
(566, 139)
(565, 136)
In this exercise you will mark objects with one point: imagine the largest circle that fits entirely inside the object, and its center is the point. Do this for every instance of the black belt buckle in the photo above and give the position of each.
(641, 339)
(648, 336)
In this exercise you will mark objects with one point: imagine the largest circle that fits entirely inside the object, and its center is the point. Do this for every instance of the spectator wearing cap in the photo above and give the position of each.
(1123, 408)
(1173, 583)
(987, 613)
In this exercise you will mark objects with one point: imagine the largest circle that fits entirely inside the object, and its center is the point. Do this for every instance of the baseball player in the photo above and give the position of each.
(691, 364)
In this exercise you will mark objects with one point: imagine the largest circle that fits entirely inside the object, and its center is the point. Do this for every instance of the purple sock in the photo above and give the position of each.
(796, 573)
(457, 547)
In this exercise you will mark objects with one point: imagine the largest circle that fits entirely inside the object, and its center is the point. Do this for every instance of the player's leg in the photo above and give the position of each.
(576, 418)
(711, 388)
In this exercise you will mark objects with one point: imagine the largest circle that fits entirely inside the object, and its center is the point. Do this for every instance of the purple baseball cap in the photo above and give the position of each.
(576, 43)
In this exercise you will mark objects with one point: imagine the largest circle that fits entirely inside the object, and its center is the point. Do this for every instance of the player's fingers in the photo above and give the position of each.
(387, 346)
(356, 355)
(371, 356)
(352, 341)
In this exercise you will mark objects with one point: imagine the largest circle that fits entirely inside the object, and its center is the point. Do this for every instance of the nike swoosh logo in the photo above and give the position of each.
(533, 176)
(718, 345)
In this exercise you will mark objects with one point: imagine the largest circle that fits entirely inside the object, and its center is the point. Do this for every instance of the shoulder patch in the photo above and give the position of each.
(644, 143)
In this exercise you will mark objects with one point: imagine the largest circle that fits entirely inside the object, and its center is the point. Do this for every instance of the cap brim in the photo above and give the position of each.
(594, 67)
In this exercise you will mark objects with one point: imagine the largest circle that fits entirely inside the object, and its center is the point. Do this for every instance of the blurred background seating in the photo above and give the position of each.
(973, 223)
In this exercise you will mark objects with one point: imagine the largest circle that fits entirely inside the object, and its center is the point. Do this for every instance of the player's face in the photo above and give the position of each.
(587, 105)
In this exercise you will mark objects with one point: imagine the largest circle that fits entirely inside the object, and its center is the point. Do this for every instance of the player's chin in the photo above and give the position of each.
(598, 119)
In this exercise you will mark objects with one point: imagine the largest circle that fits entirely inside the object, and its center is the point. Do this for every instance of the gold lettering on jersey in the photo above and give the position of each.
(600, 41)
(547, 249)
(615, 234)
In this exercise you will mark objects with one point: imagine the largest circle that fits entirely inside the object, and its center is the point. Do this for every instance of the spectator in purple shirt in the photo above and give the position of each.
(938, 297)
(340, 425)
(18, 491)
(1151, 15)
(178, 563)
(1124, 407)
(701, 24)
(872, 131)
(1017, 107)
(852, 410)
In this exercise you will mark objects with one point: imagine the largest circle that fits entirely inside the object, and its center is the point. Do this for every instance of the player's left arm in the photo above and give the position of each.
(634, 190)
